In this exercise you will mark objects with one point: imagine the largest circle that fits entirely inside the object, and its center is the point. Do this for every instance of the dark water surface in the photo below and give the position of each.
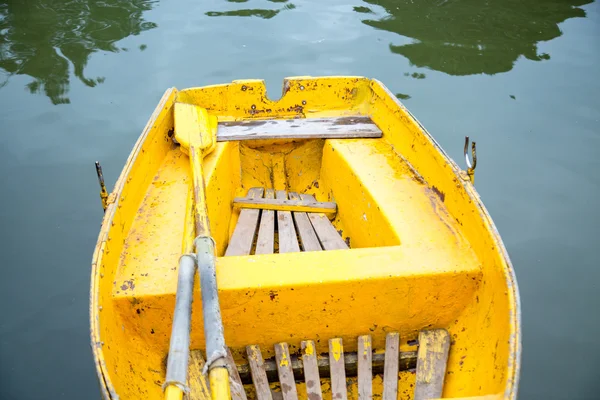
(79, 79)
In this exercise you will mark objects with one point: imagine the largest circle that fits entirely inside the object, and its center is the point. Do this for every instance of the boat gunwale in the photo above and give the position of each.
(106, 387)
(514, 357)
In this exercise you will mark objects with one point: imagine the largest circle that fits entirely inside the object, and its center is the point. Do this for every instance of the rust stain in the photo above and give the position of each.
(440, 194)
(297, 108)
(128, 285)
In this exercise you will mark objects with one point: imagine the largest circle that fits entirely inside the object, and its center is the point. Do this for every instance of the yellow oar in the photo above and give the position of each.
(196, 132)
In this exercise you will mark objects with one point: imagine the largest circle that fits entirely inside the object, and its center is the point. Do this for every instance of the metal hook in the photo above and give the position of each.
(103, 192)
(470, 167)
(99, 173)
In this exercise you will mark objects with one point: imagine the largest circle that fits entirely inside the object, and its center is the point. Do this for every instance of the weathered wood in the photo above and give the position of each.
(365, 372)
(432, 358)
(311, 370)
(235, 381)
(390, 371)
(408, 360)
(300, 128)
(276, 394)
(285, 372)
(336, 366)
(308, 238)
(266, 231)
(245, 229)
(197, 381)
(257, 369)
(329, 208)
(330, 238)
(288, 242)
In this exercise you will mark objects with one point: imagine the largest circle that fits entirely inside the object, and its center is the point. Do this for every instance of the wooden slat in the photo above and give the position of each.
(336, 367)
(301, 128)
(308, 238)
(285, 372)
(390, 369)
(288, 243)
(197, 381)
(408, 361)
(266, 231)
(365, 372)
(329, 208)
(432, 358)
(245, 229)
(257, 369)
(311, 370)
(235, 381)
(330, 239)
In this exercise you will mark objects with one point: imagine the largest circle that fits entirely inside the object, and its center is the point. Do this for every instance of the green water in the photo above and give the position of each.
(78, 80)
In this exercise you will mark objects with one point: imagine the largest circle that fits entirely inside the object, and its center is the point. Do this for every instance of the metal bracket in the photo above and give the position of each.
(103, 192)
(470, 167)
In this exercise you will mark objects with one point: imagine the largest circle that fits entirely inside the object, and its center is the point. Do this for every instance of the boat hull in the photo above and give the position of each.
(424, 251)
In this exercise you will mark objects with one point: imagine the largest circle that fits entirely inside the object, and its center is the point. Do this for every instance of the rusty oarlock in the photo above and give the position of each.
(470, 167)
(103, 192)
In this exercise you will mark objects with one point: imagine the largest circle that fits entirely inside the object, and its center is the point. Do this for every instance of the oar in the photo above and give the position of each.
(196, 131)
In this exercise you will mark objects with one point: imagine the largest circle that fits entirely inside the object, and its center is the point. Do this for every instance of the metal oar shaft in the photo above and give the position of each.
(179, 349)
(211, 311)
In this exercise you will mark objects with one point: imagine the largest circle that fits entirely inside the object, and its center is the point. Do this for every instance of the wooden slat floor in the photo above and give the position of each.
(264, 231)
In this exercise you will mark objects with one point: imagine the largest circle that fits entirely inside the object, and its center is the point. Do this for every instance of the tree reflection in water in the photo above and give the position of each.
(464, 37)
(39, 38)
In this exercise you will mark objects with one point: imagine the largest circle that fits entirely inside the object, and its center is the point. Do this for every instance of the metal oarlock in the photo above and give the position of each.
(470, 167)
(103, 192)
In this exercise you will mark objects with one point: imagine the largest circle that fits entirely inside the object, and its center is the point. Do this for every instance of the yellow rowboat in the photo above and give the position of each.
(353, 258)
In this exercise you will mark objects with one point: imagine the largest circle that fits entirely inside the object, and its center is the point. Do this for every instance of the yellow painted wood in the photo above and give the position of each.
(192, 124)
(219, 384)
(424, 251)
(173, 393)
(285, 205)
(431, 363)
(197, 381)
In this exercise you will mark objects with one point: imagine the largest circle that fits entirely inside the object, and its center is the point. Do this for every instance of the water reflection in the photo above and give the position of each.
(252, 12)
(39, 38)
(463, 37)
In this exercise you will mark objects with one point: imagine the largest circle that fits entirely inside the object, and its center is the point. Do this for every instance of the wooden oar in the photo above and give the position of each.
(196, 132)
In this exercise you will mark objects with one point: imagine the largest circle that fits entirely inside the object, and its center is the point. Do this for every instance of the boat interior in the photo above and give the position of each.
(350, 245)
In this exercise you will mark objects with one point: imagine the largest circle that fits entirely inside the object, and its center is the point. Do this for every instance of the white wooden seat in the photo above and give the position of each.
(347, 127)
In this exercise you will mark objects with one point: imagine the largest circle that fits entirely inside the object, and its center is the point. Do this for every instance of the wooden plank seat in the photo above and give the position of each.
(346, 127)
(274, 221)
(430, 361)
